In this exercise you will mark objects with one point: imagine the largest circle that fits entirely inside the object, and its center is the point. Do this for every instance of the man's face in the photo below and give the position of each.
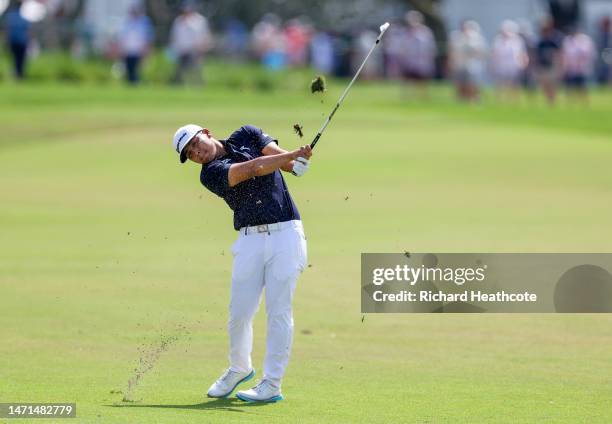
(201, 149)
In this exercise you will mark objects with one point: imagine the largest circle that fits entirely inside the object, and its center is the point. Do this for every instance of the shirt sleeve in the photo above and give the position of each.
(215, 177)
(259, 138)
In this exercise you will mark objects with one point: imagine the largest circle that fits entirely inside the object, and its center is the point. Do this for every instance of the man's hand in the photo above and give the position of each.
(301, 163)
(300, 166)
(303, 152)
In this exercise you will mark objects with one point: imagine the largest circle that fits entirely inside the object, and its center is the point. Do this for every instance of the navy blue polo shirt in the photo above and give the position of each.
(546, 50)
(258, 201)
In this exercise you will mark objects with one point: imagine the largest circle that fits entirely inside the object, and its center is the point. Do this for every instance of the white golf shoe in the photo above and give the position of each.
(263, 392)
(228, 382)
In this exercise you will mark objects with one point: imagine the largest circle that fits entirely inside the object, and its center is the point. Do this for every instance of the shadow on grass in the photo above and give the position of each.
(228, 404)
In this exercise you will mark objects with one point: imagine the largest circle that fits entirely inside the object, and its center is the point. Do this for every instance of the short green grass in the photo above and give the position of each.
(108, 245)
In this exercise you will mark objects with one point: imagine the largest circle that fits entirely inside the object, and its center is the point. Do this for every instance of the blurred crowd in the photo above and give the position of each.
(190, 40)
(518, 57)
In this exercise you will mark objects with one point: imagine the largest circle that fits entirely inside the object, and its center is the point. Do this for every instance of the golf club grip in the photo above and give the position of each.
(314, 142)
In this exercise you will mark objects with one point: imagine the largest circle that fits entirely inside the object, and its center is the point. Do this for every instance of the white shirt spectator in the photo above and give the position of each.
(420, 50)
(394, 48)
(468, 50)
(267, 37)
(190, 34)
(508, 56)
(578, 52)
(362, 45)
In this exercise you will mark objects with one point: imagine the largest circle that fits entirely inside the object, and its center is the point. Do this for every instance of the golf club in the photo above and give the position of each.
(383, 28)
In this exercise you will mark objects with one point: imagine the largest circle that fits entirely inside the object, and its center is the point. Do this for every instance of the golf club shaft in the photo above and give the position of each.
(327, 121)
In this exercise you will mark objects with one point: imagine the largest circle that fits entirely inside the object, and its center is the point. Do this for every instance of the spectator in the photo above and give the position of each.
(394, 50)
(420, 51)
(508, 59)
(135, 40)
(297, 37)
(190, 39)
(18, 37)
(322, 52)
(343, 52)
(548, 60)
(269, 43)
(235, 39)
(468, 52)
(361, 47)
(578, 56)
(604, 48)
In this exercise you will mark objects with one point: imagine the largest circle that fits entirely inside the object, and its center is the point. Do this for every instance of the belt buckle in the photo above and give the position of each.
(262, 228)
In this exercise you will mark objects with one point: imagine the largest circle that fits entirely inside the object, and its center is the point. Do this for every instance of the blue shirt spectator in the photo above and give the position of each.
(18, 36)
(136, 36)
(135, 40)
(18, 28)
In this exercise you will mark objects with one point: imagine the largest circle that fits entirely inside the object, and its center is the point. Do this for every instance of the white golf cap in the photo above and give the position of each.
(182, 137)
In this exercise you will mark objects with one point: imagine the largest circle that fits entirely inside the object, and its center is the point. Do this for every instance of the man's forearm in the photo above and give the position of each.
(273, 149)
(265, 165)
(288, 167)
(258, 167)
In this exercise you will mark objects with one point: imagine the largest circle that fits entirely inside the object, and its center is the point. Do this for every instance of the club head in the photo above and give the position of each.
(384, 27)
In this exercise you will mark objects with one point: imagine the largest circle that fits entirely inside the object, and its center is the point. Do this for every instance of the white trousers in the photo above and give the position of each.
(272, 260)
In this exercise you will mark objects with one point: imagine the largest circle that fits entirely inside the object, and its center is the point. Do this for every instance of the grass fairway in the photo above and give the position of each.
(109, 246)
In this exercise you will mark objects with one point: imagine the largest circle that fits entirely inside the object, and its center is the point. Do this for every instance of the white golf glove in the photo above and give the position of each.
(300, 166)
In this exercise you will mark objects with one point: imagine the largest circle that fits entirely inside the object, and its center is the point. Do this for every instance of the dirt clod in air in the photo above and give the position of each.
(298, 130)
(318, 84)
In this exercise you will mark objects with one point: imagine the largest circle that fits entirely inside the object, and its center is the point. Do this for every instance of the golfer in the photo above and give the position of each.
(270, 251)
